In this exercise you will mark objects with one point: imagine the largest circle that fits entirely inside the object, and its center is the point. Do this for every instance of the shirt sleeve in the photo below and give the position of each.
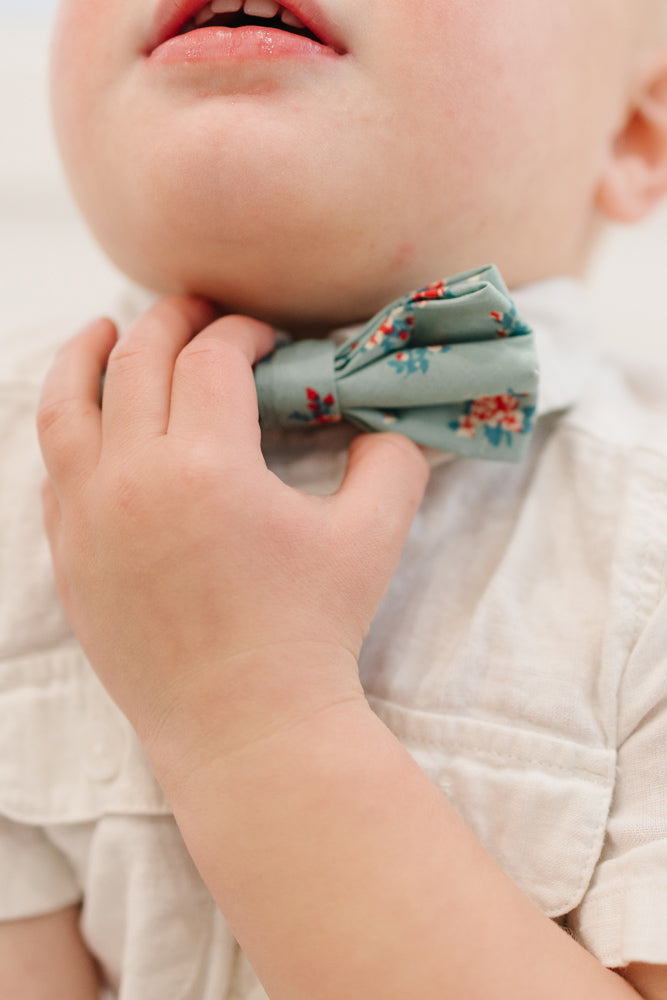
(36, 877)
(623, 916)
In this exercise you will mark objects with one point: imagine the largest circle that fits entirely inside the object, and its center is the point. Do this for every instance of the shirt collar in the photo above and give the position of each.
(560, 313)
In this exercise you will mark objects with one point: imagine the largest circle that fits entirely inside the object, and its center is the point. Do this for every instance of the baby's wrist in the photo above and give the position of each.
(254, 703)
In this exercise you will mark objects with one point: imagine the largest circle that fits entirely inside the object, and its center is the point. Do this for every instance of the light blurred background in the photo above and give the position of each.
(50, 268)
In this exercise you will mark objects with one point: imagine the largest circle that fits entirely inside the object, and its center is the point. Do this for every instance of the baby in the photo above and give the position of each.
(408, 724)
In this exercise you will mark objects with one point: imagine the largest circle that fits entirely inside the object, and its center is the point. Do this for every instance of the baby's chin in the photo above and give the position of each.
(303, 313)
(305, 304)
(308, 282)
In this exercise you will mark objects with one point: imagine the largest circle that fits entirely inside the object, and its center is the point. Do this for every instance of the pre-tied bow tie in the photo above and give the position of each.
(451, 366)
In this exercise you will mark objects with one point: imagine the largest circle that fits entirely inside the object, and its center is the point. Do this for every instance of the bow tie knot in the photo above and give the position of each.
(452, 366)
(286, 384)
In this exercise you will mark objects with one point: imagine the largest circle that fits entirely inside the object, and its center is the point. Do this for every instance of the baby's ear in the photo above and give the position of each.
(635, 177)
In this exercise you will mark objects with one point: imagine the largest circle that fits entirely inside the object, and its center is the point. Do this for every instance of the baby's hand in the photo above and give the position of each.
(205, 592)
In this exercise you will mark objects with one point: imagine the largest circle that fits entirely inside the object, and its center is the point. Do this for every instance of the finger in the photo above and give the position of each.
(52, 516)
(214, 391)
(137, 385)
(69, 419)
(384, 484)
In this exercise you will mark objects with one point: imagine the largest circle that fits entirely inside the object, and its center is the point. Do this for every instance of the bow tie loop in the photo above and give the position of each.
(452, 366)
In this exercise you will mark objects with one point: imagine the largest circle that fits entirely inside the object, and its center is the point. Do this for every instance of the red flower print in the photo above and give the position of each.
(319, 407)
(437, 290)
(467, 427)
(496, 416)
(498, 411)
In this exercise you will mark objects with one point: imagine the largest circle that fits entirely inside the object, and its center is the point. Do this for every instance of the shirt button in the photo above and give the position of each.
(105, 753)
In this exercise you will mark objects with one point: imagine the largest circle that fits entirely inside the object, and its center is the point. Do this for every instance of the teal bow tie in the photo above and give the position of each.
(451, 366)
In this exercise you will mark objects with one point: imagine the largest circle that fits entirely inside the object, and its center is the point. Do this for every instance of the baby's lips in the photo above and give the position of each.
(172, 15)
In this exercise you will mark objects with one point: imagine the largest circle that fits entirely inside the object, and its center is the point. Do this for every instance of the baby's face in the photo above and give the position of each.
(309, 183)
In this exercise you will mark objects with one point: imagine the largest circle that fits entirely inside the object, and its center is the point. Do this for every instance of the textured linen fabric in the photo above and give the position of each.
(520, 655)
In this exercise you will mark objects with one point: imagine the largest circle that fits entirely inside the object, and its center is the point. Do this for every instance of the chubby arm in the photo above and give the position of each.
(345, 873)
(225, 614)
(45, 958)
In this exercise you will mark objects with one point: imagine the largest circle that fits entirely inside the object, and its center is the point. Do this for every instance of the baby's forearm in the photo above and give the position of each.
(345, 873)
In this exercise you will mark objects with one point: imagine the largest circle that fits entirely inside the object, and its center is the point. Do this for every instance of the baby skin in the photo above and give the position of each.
(306, 185)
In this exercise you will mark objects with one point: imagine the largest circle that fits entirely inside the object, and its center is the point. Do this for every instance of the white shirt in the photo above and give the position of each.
(520, 655)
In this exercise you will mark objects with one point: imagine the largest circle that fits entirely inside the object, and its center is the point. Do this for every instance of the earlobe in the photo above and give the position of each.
(635, 177)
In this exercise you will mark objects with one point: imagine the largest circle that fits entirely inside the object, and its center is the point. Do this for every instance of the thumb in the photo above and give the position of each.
(384, 484)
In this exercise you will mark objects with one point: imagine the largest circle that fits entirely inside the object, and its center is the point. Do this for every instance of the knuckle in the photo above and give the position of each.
(125, 493)
(53, 417)
(126, 355)
(206, 353)
(201, 350)
(202, 474)
(136, 488)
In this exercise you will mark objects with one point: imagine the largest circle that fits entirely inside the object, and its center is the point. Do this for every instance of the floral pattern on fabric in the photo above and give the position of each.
(319, 409)
(395, 332)
(509, 323)
(460, 338)
(416, 360)
(501, 418)
(438, 290)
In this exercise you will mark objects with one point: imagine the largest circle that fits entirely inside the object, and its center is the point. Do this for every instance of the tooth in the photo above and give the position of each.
(261, 8)
(290, 19)
(226, 6)
(205, 14)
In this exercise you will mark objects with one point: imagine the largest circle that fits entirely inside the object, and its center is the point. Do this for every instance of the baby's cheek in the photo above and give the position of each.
(75, 57)
(93, 45)
(404, 257)
(75, 27)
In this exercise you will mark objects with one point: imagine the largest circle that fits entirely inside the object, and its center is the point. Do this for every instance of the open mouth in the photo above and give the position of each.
(264, 28)
(248, 13)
